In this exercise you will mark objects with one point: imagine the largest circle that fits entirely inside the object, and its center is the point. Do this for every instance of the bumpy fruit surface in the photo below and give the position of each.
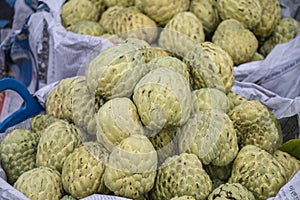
(255, 125)
(40, 183)
(210, 135)
(242, 47)
(74, 11)
(162, 11)
(256, 57)
(87, 28)
(290, 163)
(231, 191)
(208, 14)
(83, 169)
(271, 15)
(235, 99)
(84, 107)
(125, 3)
(108, 16)
(18, 153)
(173, 63)
(57, 142)
(165, 143)
(115, 71)
(131, 168)
(183, 198)
(163, 98)
(181, 33)
(258, 171)
(40, 122)
(130, 23)
(210, 98)
(210, 66)
(116, 120)
(181, 175)
(248, 12)
(285, 31)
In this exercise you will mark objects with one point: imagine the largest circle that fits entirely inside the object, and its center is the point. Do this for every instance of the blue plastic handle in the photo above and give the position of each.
(30, 107)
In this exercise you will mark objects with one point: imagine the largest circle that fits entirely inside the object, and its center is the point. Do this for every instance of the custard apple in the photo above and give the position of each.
(40, 183)
(163, 98)
(56, 143)
(258, 171)
(125, 3)
(181, 175)
(131, 168)
(130, 23)
(74, 11)
(210, 66)
(210, 98)
(206, 11)
(40, 122)
(87, 28)
(290, 163)
(271, 14)
(256, 57)
(239, 42)
(115, 71)
(165, 143)
(183, 198)
(231, 191)
(116, 120)
(182, 32)
(84, 107)
(248, 12)
(108, 16)
(99, 4)
(211, 136)
(18, 153)
(173, 63)
(235, 99)
(82, 171)
(254, 125)
(162, 11)
(285, 31)
(67, 197)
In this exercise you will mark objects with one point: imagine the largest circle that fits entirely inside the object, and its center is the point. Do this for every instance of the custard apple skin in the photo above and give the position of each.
(130, 23)
(40, 183)
(254, 125)
(258, 171)
(108, 16)
(235, 99)
(116, 71)
(248, 12)
(181, 175)
(173, 63)
(271, 14)
(68, 197)
(57, 142)
(206, 11)
(211, 136)
(99, 4)
(163, 99)
(183, 198)
(74, 11)
(242, 47)
(165, 143)
(40, 122)
(84, 108)
(124, 3)
(210, 98)
(83, 169)
(210, 67)
(181, 33)
(290, 163)
(256, 57)
(116, 120)
(18, 153)
(162, 11)
(285, 31)
(131, 168)
(231, 191)
(87, 28)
